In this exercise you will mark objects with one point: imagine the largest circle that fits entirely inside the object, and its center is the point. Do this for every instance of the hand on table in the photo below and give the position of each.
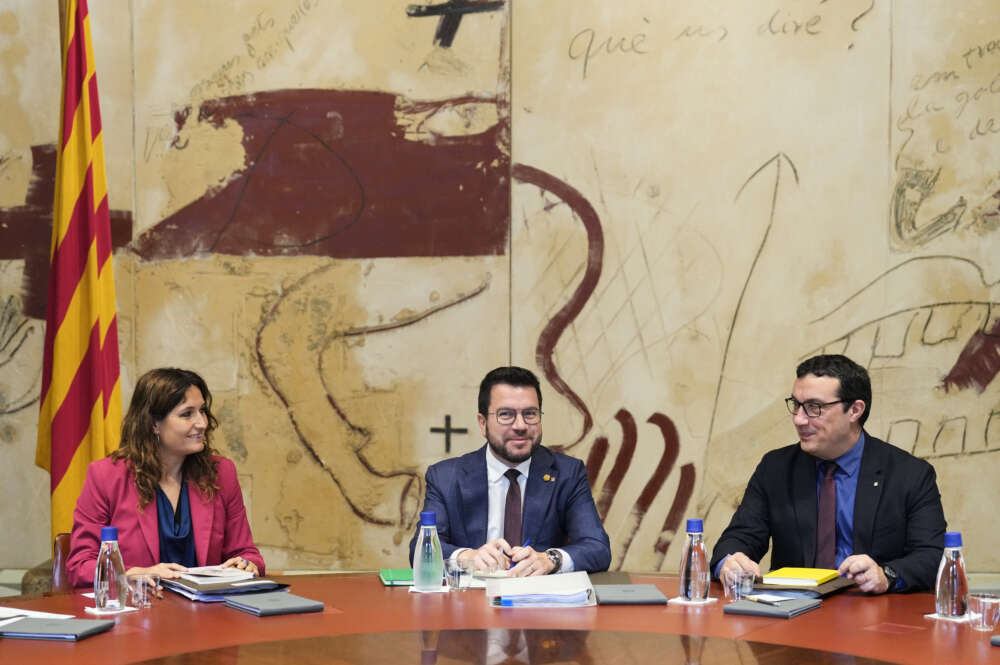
(167, 571)
(865, 572)
(242, 564)
(736, 562)
(491, 556)
(529, 562)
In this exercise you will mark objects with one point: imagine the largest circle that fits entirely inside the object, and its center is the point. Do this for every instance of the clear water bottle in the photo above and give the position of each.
(694, 574)
(952, 589)
(110, 585)
(428, 564)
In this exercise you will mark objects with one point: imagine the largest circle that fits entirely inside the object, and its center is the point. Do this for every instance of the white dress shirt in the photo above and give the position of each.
(497, 493)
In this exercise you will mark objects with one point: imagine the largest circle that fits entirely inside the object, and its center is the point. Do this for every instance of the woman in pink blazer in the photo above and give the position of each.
(175, 503)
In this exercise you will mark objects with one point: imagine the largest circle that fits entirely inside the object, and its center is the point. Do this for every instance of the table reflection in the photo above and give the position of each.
(499, 646)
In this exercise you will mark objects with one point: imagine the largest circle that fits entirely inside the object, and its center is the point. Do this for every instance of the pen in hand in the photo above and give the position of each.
(510, 555)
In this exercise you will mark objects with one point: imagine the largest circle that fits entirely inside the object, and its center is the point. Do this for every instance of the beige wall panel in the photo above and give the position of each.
(112, 30)
(328, 376)
(26, 487)
(743, 165)
(29, 81)
(704, 194)
(28, 39)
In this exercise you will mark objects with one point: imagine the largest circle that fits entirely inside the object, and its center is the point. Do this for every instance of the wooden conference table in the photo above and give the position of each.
(365, 622)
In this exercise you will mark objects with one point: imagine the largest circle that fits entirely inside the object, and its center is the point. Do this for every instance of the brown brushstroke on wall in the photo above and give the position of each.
(595, 459)
(671, 449)
(331, 173)
(592, 274)
(685, 488)
(622, 462)
(978, 363)
(26, 230)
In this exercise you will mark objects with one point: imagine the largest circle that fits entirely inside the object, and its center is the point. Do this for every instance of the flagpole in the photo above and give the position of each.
(61, 8)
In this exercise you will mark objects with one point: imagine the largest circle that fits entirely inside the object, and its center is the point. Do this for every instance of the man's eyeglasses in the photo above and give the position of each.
(812, 409)
(530, 416)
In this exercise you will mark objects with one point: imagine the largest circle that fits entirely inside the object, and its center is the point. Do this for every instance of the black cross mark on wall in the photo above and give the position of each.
(448, 430)
(451, 13)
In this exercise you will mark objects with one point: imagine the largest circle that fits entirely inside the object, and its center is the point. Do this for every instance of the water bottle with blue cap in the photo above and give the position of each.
(952, 588)
(694, 574)
(110, 584)
(428, 564)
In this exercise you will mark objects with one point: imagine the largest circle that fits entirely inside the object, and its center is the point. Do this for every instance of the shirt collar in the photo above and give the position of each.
(850, 461)
(495, 469)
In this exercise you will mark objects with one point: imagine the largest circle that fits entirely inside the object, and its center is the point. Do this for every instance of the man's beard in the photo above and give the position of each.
(500, 450)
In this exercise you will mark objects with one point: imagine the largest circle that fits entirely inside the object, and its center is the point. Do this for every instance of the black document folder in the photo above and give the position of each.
(273, 602)
(70, 630)
(785, 609)
(820, 591)
(629, 594)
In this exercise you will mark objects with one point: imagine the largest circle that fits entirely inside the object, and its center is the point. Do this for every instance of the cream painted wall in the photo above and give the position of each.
(769, 182)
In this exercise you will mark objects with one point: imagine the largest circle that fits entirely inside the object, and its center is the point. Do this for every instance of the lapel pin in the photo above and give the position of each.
(547, 478)
(875, 484)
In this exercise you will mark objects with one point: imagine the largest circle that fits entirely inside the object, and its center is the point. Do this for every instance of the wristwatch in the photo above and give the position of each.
(890, 576)
(555, 556)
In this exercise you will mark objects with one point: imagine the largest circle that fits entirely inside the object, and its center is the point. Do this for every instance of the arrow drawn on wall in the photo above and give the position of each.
(780, 161)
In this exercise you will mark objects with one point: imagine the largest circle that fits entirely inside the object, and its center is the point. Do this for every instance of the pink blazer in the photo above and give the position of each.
(109, 498)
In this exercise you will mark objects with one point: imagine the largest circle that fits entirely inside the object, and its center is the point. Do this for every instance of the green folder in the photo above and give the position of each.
(396, 576)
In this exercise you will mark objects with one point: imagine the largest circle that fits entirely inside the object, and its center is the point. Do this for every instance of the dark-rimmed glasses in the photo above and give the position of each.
(530, 416)
(812, 409)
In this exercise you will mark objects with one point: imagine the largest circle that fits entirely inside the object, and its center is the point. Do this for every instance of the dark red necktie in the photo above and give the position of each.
(512, 510)
(826, 526)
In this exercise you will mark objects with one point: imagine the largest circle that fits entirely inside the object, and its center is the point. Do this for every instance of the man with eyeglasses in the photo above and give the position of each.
(839, 498)
(490, 503)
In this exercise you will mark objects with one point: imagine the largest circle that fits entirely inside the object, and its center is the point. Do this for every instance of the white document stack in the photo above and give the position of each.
(565, 590)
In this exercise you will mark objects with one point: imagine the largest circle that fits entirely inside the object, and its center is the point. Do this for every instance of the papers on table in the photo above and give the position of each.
(565, 590)
(824, 589)
(213, 590)
(700, 602)
(778, 596)
(110, 610)
(11, 614)
(937, 617)
(473, 582)
(208, 574)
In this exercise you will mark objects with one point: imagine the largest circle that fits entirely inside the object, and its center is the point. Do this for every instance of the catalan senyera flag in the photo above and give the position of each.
(80, 418)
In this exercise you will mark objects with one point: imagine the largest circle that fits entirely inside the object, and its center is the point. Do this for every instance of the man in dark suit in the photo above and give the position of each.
(513, 489)
(839, 498)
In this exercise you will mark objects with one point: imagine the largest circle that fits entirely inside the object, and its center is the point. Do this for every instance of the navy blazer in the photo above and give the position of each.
(898, 518)
(559, 508)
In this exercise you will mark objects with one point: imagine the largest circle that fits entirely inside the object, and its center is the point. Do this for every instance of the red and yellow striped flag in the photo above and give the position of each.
(81, 412)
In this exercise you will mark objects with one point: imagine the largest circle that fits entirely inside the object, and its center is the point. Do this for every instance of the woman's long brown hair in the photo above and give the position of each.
(157, 393)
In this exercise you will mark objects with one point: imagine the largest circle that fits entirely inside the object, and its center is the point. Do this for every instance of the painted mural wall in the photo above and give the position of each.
(343, 214)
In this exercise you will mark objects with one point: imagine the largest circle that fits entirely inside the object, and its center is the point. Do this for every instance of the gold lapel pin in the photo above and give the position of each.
(547, 478)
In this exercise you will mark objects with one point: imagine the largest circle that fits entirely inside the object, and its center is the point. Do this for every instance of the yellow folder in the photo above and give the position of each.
(799, 576)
